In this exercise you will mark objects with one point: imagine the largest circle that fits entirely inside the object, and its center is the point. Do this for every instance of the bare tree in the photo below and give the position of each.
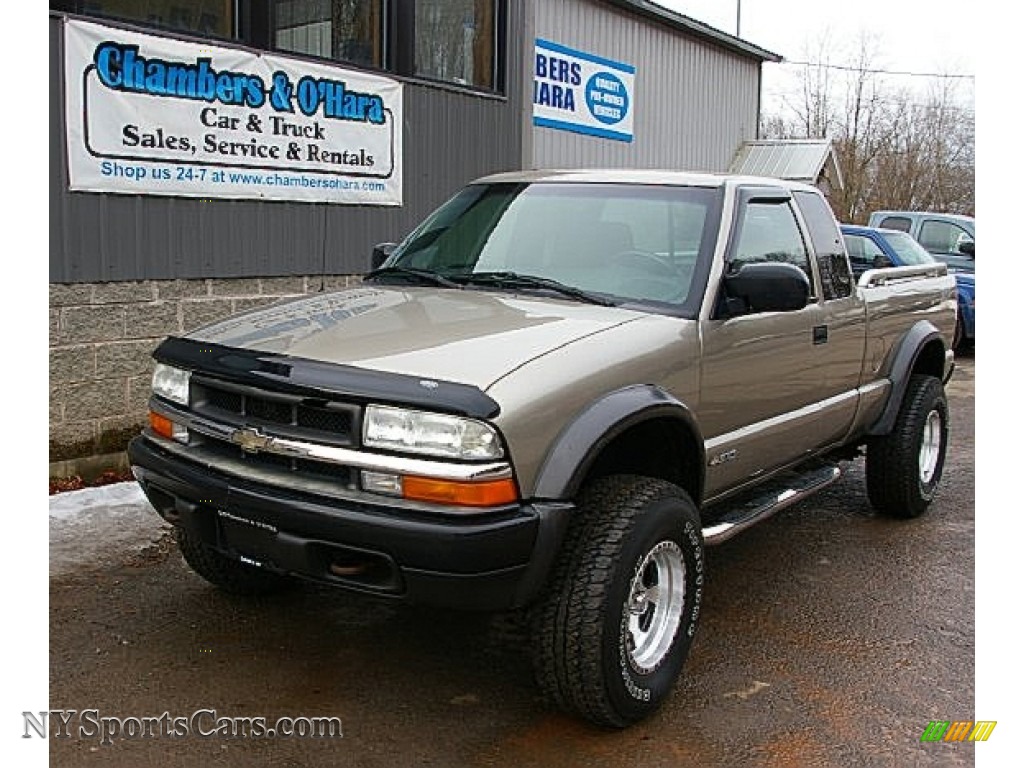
(896, 148)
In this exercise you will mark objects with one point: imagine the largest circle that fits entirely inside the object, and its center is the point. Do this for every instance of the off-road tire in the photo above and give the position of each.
(902, 477)
(583, 660)
(229, 575)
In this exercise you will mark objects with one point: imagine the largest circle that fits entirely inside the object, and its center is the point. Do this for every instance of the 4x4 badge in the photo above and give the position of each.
(251, 440)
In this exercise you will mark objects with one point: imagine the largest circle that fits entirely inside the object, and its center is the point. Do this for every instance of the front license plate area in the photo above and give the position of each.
(244, 537)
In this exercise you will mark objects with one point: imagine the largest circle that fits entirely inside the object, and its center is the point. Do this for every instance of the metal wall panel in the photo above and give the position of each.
(450, 137)
(695, 102)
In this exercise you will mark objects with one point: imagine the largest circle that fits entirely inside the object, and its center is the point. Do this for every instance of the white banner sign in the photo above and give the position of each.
(578, 91)
(153, 115)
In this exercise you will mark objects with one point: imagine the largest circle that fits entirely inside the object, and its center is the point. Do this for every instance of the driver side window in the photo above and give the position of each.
(769, 232)
(942, 237)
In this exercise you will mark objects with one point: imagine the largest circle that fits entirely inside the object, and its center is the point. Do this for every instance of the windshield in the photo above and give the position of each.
(911, 252)
(626, 242)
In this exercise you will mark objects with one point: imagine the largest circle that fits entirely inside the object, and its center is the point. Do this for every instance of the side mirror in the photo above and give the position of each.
(882, 262)
(767, 287)
(380, 254)
(967, 248)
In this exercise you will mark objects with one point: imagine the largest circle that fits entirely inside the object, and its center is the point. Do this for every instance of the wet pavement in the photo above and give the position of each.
(829, 637)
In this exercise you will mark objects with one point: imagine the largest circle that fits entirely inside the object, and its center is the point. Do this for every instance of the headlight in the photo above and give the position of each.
(437, 434)
(171, 382)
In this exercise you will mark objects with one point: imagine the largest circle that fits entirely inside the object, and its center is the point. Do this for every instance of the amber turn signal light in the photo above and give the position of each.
(167, 428)
(161, 425)
(488, 493)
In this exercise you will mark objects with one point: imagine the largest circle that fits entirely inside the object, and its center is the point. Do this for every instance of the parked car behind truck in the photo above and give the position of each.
(948, 237)
(552, 395)
(870, 247)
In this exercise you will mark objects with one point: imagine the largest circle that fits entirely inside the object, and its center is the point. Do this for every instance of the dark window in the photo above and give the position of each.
(455, 41)
(212, 18)
(863, 252)
(943, 237)
(836, 281)
(896, 222)
(344, 30)
(769, 232)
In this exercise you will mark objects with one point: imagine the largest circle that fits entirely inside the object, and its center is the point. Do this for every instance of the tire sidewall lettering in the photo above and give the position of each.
(643, 689)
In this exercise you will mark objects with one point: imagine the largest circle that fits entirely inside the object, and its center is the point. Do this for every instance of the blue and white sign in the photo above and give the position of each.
(580, 92)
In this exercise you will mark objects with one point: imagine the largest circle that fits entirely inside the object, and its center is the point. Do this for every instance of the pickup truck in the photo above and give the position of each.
(552, 396)
(949, 237)
(871, 247)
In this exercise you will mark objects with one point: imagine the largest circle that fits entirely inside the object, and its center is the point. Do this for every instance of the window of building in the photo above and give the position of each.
(213, 18)
(344, 30)
(454, 41)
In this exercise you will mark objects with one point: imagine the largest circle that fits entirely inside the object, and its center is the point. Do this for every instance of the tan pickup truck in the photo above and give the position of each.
(552, 395)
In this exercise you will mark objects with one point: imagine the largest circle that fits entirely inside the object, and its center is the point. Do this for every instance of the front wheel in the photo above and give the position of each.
(904, 467)
(615, 627)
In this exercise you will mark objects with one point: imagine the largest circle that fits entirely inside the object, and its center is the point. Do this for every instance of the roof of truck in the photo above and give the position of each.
(930, 214)
(638, 176)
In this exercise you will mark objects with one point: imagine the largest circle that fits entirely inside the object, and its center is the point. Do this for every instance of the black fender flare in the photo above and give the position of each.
(581, 441)
(907, 353)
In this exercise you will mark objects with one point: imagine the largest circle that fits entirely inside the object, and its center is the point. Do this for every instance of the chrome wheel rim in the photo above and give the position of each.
(654, 606)
(931, 445)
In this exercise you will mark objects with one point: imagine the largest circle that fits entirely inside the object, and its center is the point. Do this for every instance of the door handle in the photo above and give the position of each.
(820, 334)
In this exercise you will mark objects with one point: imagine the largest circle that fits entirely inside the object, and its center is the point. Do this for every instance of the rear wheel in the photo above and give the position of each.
(904, 467)
(615, 627)
(230, 575)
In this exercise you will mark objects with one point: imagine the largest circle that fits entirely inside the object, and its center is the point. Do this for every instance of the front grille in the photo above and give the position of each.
(269, 410)
(285, 415)
(277, 414)
(232, 456)
(222, 400)
(338, 422)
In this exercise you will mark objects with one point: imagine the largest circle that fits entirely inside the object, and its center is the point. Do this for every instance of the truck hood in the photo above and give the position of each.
(467, 336)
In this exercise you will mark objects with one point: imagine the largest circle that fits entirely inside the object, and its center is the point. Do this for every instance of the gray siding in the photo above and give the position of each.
(695, 102)
(450, 137)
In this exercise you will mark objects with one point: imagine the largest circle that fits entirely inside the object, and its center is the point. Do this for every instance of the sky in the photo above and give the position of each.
(908, 35)
(917, 35)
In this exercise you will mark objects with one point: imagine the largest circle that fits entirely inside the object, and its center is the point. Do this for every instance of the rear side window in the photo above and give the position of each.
(836, 280)
(902, 223)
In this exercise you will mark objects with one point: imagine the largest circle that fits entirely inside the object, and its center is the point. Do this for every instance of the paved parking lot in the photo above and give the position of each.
(829, 637)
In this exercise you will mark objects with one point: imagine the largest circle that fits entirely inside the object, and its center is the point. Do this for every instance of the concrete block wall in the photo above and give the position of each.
(101, 339)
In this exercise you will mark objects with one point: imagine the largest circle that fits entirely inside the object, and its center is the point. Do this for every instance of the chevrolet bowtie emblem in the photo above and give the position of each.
(251, 440)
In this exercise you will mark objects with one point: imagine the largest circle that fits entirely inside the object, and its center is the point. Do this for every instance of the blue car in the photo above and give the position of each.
(872, 248)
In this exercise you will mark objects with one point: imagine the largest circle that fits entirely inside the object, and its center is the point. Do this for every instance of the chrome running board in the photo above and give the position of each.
(764, 501)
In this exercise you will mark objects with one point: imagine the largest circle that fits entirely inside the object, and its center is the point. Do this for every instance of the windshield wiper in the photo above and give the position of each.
(516, 280)
(422, 275)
